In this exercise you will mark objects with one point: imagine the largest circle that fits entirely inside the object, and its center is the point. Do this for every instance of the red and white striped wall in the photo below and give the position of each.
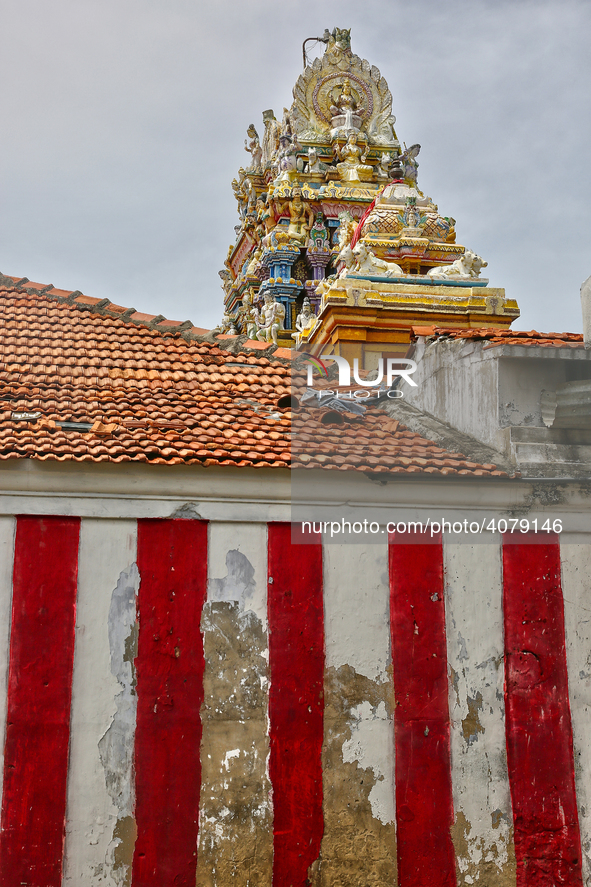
(191, 703)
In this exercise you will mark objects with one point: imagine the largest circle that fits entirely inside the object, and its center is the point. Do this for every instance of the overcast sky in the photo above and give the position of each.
(123, 124)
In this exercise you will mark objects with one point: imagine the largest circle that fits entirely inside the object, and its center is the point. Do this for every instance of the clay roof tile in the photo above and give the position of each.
(152, 395)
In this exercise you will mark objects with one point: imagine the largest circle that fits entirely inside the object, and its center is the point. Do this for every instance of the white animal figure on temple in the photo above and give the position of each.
(368, 263)
(383, 170)
(346, 256)
(467, 267)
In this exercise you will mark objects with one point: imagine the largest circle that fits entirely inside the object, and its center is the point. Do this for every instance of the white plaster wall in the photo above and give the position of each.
(106, 564)
(474, 626)
(458, 384)
(250, 539)
(357, 633)
(7, 533)
(576, 589)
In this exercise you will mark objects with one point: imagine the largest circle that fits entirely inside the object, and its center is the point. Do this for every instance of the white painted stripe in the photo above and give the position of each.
(576, 589)
(235, 816)
(103, 708)
(226, 578)
(357, 608)
(357, 634)
(7, 532)
(475, 650)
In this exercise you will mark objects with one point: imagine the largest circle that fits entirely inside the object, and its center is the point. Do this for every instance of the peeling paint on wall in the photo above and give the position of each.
(236, 817)
(479, 859)
(371, 723)
(100, 830)
(116, 746)
(576, 570)
(482, 832)
(359, 843)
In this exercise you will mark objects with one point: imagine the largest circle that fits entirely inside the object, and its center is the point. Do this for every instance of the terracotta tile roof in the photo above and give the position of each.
(503, 336)
(138, 389)
(84, 380)
(375, 443)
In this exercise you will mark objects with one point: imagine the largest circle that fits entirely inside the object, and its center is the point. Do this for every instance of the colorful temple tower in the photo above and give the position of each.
(338, 250)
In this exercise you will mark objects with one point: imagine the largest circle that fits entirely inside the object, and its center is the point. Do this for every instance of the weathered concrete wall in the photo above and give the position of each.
(100, 829)
(481, 390)
(363, 770)
(457, 386)
(482, 804)
(359, 842)
(235, 813)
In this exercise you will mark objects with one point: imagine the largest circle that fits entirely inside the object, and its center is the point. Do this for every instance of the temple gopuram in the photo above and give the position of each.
(338, 250)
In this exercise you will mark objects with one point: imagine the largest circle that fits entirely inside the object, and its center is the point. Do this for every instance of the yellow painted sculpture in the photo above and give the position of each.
(352, 167)
(301, 219)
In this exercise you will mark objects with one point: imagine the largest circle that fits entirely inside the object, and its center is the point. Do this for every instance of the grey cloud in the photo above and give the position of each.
(124, 123)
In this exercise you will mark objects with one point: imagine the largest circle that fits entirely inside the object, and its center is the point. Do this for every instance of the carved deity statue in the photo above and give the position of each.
(247, 316)
(305, 319)
(253, 147)
(346, 228)
(286, 158)
(352, 167)
(315, 166)
(301, 219)
(226, 278)
(286, 127)
(240, 193)
(228, 325)
(252, 265)
(270, 138)
(467, 267)
(346, 112)
(406, 167)
(270, 320)
(267, 218)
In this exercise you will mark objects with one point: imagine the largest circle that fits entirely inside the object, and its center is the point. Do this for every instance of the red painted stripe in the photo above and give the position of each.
(296, 703)
(537, 718)
(172, 561)
(39, 697)
(424, 806)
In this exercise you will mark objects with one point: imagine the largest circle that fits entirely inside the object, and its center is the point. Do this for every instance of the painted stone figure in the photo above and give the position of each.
(286, 158)
(305, 319)
(352, 167)
(301, 218)
(406, 166)
(346, 112)
(467, 267)
(368, 263)
(270, 320)
(253, 147)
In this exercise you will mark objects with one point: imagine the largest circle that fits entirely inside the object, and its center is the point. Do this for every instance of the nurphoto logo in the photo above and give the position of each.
(388, 370)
